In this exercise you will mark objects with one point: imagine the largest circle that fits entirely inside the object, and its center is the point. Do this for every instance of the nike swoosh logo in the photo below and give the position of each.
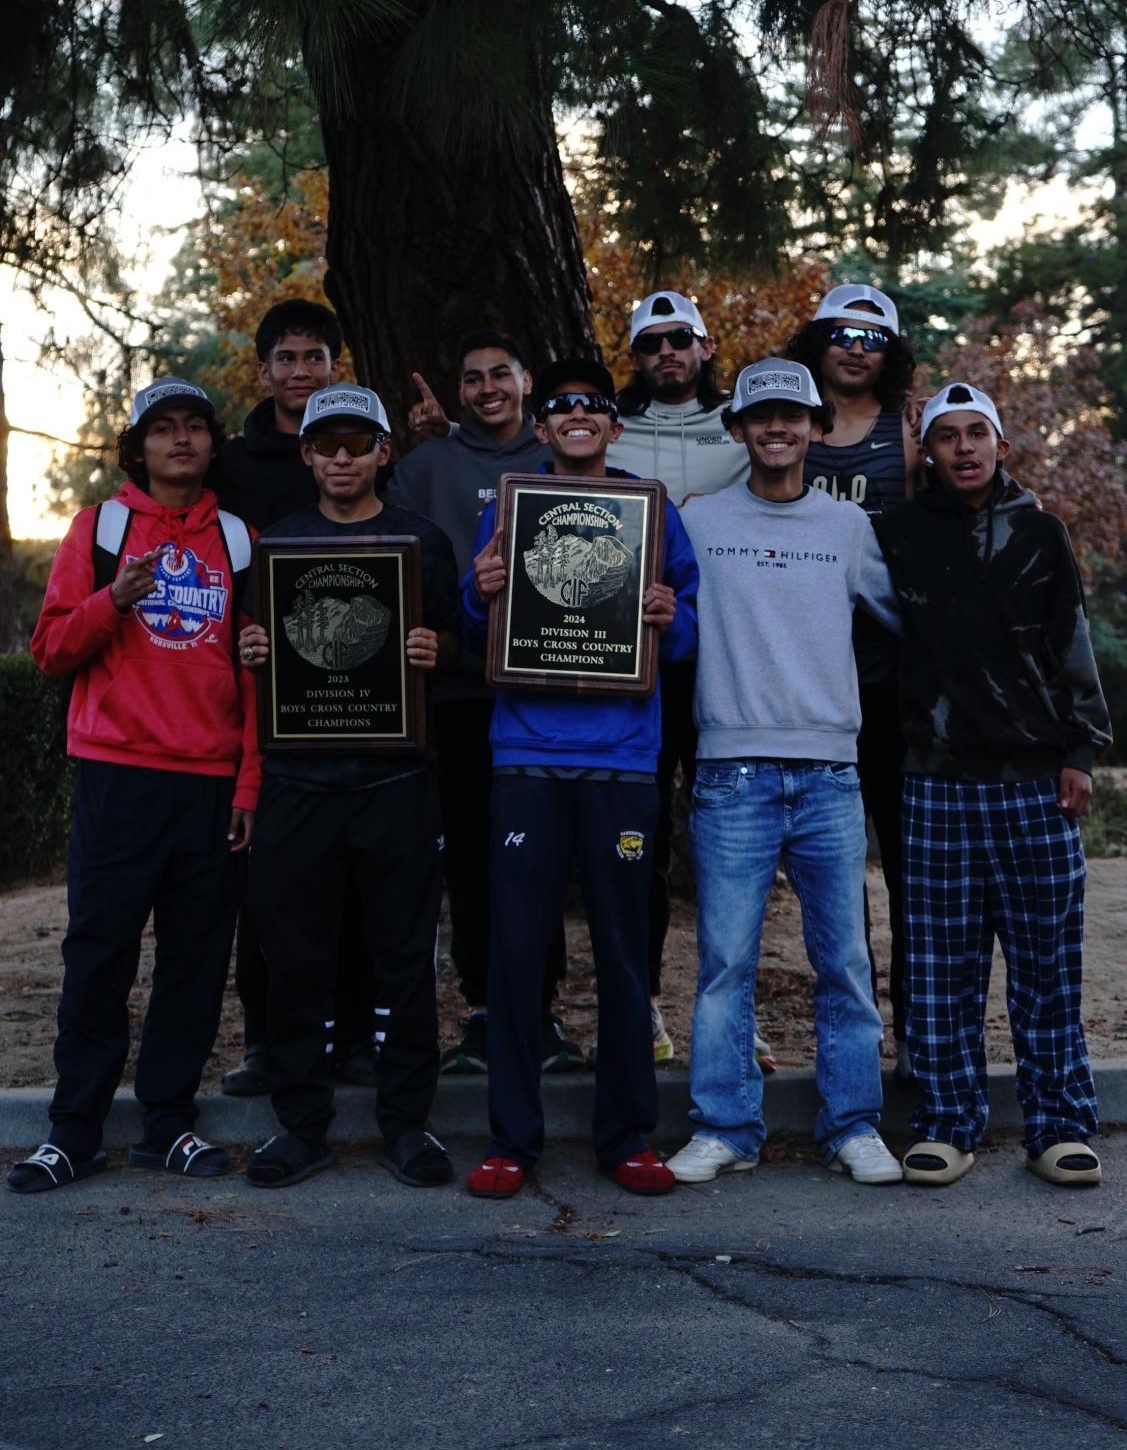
(875, 446)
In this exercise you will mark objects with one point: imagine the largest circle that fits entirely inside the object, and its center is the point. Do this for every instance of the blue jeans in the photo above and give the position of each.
(748, 815)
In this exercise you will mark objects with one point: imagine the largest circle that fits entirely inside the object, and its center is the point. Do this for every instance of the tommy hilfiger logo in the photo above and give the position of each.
(770, 558)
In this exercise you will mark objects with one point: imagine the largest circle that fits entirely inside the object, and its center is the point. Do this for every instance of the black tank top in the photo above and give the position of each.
(871, 473)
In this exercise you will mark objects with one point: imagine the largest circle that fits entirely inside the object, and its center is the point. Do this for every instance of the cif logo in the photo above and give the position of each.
(188, 600)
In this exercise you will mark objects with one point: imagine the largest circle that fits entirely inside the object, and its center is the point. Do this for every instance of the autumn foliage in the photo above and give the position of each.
(750, 317)
(261, 253)
(1053, 408)
(1051, 399)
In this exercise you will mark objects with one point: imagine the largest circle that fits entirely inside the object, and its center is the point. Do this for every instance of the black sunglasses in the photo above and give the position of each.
(872, 339)
(354, 444)
(649, 343)
(568, 402)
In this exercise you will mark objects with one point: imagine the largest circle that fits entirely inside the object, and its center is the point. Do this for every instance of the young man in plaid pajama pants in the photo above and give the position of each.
(1003, 716)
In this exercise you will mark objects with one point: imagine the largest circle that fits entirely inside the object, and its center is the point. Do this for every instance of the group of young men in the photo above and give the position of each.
(978, 707)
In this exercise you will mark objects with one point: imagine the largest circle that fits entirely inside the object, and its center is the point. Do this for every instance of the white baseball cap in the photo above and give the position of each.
(345, 400)
(840, 305)
(959, 398)
(774, 379)
(666, 307)
(168, 393)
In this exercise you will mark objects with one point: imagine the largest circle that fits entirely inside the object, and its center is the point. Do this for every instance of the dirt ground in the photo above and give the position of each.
(33, 920)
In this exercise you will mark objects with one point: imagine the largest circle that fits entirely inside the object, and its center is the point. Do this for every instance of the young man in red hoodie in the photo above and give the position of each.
(161, 722)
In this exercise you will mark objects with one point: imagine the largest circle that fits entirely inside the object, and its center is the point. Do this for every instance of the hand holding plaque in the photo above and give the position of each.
(572, 580)
(343, 652)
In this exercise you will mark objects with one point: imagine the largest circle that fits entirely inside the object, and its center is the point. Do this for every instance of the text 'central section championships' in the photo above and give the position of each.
(577, 563)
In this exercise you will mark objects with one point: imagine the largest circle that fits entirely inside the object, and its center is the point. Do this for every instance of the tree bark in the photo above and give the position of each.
(5, 523)
(423, 248)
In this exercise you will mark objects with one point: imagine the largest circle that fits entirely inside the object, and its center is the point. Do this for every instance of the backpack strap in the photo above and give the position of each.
(111, 526)
(237, 547)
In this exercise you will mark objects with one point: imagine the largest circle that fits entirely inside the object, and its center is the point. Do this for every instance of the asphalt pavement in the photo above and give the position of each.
(784, 1307)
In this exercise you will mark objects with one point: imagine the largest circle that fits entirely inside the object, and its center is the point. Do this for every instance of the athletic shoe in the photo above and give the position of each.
(867, 1160)
(663, 1043)
(253, 1078)
(642, 1172)
(764, 1056)
(703, 1157)
(469, 1055)
(496, 1178)
(557, 1052)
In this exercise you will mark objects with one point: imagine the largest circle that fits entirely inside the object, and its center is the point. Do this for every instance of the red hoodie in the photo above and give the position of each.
(158, 686)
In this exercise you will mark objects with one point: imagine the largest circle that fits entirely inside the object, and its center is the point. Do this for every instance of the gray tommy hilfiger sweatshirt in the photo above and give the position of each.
(778, 583)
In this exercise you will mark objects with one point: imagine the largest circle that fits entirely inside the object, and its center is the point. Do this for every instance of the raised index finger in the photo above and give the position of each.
(421, 383)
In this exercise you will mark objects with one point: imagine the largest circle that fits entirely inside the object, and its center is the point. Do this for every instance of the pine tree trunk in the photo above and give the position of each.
(423, 248)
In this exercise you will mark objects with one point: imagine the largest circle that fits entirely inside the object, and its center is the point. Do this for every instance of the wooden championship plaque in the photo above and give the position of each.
(579, 555)
(338, 612)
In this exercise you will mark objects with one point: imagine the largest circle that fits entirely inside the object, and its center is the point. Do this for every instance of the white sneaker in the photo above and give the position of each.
(867, 1160)
(703, 1157)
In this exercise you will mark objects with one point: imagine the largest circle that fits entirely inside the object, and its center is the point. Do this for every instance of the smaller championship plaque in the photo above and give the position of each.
(338, 613)
(579, 555)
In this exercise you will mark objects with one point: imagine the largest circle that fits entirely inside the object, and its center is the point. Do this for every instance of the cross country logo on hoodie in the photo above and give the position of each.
(189, 599)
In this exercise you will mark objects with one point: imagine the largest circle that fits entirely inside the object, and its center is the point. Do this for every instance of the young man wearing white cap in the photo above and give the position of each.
(330, 820)
(782, 568)
(1003, 715)
(863, 368)
(672, 429)
(141, 611)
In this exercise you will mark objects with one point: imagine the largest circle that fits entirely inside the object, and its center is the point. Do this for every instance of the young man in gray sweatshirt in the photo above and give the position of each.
(450, 479)
(776, 706)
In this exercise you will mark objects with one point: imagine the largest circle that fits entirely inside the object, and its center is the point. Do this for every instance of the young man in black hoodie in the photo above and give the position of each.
(450, 479)
(1003, 717)
(263, 478)
(298, 344)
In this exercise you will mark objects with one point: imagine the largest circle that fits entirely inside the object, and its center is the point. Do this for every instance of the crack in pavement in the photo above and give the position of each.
(694, 1269)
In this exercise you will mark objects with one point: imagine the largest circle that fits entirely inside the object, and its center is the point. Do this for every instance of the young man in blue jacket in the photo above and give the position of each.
(575, 773)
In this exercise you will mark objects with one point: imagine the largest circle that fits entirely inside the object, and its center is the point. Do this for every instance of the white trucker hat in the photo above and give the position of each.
(840, 304)
(774, 379)
(959, 398)
(666, 307)
(345, 400)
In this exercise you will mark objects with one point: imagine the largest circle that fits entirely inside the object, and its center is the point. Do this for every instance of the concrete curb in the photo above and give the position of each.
(790, 1106)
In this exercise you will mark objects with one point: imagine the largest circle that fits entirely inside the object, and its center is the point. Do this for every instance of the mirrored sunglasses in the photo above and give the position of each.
(354, 444)
(568, 402)
(872, 339)
(649, 343)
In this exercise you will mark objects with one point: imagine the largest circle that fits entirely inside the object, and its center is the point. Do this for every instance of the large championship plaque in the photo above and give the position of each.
(338, 613)
(579, 555)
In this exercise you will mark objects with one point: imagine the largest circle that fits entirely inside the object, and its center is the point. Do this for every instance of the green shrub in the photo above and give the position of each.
(35, 776)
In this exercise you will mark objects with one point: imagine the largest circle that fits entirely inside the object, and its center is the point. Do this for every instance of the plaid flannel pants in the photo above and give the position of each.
(982, 859)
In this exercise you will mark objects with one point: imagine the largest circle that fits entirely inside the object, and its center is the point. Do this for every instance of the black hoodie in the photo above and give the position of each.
(998, 680)
(263, 475)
